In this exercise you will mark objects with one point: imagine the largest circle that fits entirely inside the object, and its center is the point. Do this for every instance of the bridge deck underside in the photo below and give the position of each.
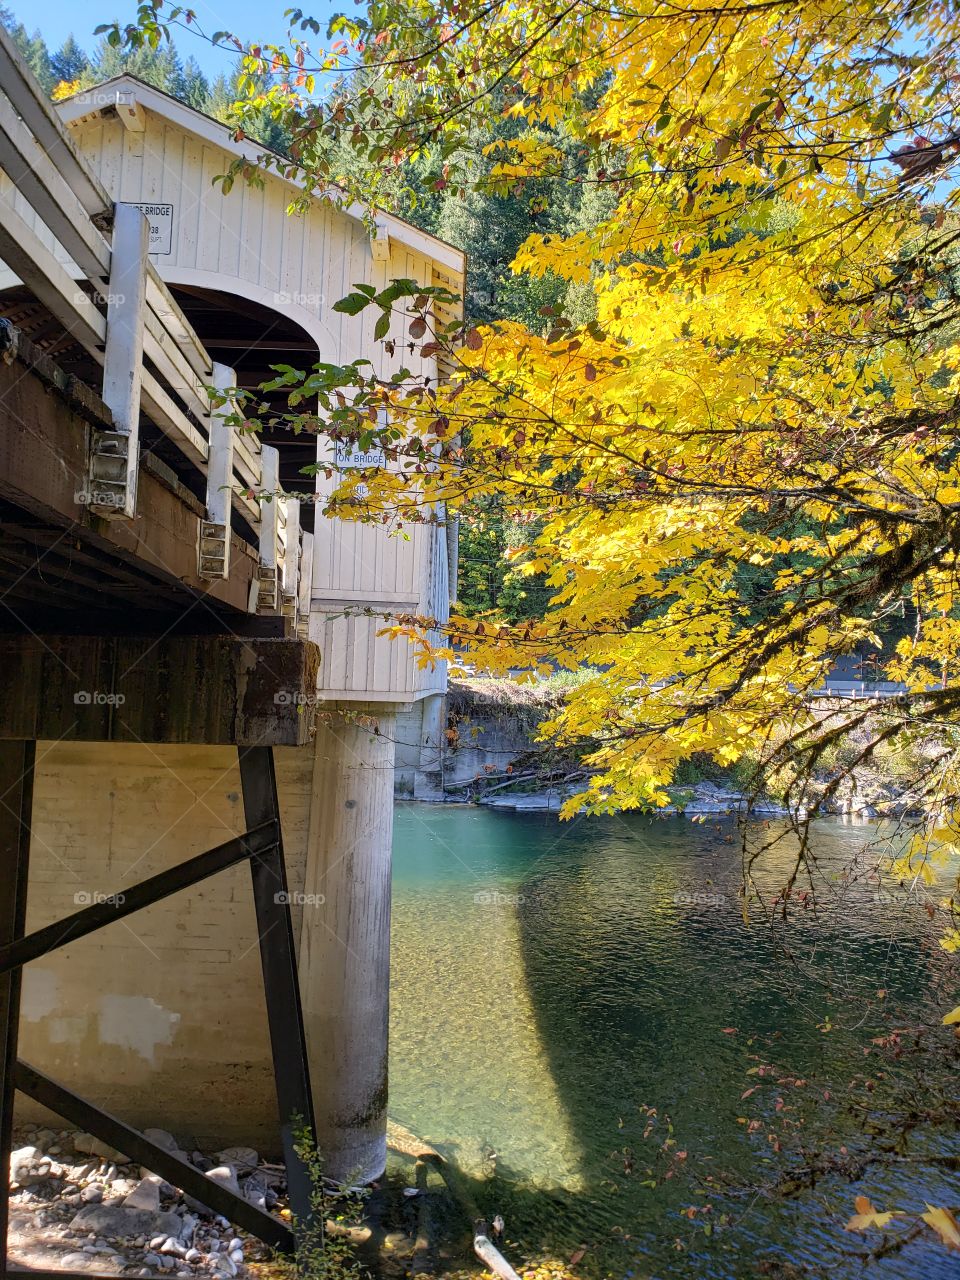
(63, 567)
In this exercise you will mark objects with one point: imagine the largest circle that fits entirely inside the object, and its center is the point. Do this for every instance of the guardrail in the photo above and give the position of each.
(859, 689)
(85, 258)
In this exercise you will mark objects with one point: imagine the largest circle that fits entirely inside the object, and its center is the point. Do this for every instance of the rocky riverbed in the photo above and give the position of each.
(77, 1205)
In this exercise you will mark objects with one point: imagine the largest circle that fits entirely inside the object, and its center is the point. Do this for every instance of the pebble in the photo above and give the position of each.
(87, 1144)
(193, 1255)
(157, 1242)
(91, 1194)
(190, 1224)
(74, 1259)
(152, 1259)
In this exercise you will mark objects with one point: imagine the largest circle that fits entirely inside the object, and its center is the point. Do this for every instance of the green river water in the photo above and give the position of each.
(553, 981)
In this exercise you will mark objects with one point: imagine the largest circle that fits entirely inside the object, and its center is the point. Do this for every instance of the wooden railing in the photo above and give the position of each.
(85, 259)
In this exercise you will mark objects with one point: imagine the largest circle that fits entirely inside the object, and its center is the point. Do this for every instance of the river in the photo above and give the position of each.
(578, 1009)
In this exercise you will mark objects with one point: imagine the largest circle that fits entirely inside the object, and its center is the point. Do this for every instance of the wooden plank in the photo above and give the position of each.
(30, 103)
(23, 252)
(161, 409)
(179, 689)
(123, 359)
(165, 306)
(159, 347)
(36, 177)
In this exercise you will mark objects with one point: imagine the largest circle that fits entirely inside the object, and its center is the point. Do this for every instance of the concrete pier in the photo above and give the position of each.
(345, 938)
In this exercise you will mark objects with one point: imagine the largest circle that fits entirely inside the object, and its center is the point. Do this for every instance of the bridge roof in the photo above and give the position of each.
(126, 94)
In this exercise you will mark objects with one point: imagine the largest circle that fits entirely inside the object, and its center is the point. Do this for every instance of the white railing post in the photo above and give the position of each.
(114, 461)
(305, 587)
(215, 529)
(290, 569)
(267, 601)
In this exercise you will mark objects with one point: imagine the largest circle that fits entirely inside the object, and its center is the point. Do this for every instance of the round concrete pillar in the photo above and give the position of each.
(345, 939)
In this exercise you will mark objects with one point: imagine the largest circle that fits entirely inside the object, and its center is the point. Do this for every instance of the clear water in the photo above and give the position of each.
(552, 981)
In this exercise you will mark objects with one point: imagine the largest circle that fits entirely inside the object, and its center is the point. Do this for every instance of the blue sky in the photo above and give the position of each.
(251, 19)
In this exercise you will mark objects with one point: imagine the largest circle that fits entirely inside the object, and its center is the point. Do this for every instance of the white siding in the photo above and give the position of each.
(247, 244)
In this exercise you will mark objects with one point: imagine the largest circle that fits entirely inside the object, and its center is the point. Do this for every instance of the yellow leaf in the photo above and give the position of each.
(952, 1017)
(867, 1218)
(944, 1224)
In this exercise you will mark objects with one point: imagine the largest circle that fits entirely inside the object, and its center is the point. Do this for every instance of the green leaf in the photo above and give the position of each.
(383, 326)
(352, 304)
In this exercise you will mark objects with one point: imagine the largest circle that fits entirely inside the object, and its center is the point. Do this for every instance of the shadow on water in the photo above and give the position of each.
(554, 982)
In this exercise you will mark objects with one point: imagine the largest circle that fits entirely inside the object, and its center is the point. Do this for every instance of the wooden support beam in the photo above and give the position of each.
(115, 458)
(25, 254)
(200, 689)
(31, 104)
(37, 178)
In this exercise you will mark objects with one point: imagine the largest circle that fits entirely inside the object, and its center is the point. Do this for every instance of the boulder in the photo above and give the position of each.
(21, 1162)
(119, 1220)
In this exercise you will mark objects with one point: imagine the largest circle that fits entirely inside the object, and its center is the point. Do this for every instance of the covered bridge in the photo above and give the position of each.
(182, 664)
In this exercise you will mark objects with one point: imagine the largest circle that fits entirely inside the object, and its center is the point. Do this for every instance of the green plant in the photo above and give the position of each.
(324, 1248)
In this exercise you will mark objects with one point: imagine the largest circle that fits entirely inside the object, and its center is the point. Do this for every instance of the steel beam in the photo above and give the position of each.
(126, 901)
(158, 1160)
(16, 800)
(280, 980)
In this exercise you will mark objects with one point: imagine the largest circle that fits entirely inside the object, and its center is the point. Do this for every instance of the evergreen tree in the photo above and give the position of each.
(70, 62)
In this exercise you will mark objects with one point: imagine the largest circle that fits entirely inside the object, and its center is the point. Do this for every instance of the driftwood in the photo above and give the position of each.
(548, 779)
(407, 1143)
(489, 1254)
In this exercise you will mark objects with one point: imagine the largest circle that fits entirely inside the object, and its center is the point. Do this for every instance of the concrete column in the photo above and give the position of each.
(428, 781)
(345, 939)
